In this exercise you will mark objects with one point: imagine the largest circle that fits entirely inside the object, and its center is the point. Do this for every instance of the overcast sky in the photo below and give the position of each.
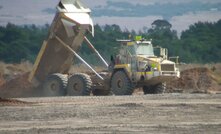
(128, 14)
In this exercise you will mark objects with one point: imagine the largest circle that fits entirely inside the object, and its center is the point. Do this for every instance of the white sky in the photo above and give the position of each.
(30, 12)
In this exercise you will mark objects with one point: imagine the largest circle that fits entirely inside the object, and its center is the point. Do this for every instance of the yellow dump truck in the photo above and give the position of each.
(135, 66)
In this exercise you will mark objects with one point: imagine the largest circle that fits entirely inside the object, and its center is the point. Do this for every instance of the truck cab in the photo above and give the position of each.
(136, 59)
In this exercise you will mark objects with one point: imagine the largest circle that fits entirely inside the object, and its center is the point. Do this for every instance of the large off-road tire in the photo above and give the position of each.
(79, 85)
(55, 85)
(121, 84)
(155, 89)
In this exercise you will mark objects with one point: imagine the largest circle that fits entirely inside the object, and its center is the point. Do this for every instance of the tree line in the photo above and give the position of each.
(201, 43)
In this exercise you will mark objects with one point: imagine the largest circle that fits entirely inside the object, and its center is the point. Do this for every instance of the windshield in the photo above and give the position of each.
(145, 49)
(140, 49)
(131, 49)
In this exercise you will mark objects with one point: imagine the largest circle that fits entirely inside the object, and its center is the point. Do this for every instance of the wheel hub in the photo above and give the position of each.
(119, 83)
(53, 87)
(76, 87)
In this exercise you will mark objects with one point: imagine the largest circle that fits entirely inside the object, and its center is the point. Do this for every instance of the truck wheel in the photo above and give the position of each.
(121, 84)
(79, 85)
(155, 89)
(55, 85)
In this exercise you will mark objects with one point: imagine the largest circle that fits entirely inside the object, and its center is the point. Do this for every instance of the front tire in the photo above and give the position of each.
(121, 84)
(55, 85)
(79, 85)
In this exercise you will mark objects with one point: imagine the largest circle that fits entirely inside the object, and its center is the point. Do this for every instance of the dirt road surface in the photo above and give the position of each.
(167, 113)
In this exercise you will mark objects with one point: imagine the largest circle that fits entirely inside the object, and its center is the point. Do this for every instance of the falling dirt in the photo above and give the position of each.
(17, 87)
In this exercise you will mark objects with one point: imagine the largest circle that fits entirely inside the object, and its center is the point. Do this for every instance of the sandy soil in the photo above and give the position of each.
(167, 113)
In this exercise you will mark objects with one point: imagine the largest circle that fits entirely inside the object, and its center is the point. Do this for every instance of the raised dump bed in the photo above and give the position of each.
(69, 26)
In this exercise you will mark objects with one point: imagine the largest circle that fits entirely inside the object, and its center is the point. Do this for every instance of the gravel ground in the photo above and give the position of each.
(166, 113)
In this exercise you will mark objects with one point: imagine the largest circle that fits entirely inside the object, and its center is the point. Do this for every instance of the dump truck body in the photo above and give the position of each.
(70, 24)
(67, 32)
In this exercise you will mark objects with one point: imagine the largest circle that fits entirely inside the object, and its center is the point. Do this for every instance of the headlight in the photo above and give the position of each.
(155, 69)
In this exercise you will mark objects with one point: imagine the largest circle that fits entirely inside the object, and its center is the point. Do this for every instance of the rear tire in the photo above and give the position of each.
(55, 85)
(121, 84)
(79, 85)
(155, 89)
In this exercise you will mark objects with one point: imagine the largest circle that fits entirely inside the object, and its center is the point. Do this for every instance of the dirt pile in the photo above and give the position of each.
(10, 71)
(17, 87)
(14, 80)
(195, 80)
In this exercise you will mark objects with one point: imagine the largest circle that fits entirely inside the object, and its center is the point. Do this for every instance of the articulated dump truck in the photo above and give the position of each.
(135, 66)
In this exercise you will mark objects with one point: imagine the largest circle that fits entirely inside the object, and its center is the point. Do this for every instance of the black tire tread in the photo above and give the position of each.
(87, 83)
(62, 79)
(128, 90)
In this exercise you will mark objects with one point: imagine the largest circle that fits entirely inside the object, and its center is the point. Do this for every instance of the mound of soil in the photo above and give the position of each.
(17, 87)
(195, 80)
